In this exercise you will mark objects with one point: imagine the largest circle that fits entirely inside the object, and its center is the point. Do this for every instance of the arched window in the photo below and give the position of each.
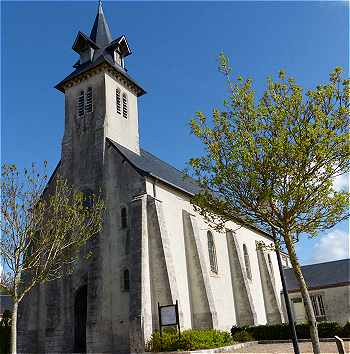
(89, 101)
(80, 316)
(123, 217)
(117, 100)
(247, 262)
(126, 280)
(212, 253)
(80, 104)
(125, 106)
(88, 198)
(271, 266)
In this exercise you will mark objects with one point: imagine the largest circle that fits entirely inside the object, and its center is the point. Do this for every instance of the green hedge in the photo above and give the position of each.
(346, 330)
(281, 331)
(189, 340)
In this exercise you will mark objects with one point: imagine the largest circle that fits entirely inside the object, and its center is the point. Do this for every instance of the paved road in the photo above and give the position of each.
(305, 348)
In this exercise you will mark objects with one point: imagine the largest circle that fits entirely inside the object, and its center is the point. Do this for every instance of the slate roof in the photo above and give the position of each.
(321, 274)
(152, 166)
(100, 32)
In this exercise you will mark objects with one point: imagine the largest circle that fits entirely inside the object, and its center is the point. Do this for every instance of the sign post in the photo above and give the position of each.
(168, 316)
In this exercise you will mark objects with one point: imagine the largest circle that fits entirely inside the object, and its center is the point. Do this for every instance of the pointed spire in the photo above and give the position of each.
(100, 32)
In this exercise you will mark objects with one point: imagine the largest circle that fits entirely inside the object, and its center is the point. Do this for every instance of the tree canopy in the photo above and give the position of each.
(272, 161)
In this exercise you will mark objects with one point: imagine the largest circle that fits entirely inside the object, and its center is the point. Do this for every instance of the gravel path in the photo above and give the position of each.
(326, 348)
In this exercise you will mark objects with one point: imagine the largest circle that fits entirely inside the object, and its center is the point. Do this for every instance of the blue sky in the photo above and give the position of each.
(175, 47)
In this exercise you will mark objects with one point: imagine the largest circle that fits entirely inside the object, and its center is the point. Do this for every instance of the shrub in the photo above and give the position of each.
(282, 331)
(189, 340)
(329, 329)
(345, 333)
(303, 330)
(264, 332)
(242, 336)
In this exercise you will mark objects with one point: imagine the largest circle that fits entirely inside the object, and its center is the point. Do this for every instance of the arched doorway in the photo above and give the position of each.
(80, 314)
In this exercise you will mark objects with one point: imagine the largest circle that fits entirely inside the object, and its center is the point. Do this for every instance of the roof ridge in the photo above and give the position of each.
(319, 263)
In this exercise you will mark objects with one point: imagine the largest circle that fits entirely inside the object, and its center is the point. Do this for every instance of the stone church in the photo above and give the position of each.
(153, 248)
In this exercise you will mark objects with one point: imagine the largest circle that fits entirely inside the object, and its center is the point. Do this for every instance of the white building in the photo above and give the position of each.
(329, 288)
(154, 247)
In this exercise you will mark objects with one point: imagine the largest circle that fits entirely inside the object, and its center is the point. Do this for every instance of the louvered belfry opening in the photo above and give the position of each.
(80, 315)
(117, 100)
(125, 106)
(89, 100)
(80, 104)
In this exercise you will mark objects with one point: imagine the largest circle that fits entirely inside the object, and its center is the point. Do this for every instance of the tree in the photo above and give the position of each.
(272, 161)
(43, 230)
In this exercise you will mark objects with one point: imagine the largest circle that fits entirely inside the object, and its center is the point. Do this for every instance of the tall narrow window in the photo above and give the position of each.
(212, 253)
(318, 306)
(123, 218)
(117, 100)
(88, 200)
(89, 100)
(126, 280)
(80, 104)
(247, 262)
(125, 106)
(271, 267)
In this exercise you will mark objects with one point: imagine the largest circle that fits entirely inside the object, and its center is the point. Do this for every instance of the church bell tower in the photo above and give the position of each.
(100, 101)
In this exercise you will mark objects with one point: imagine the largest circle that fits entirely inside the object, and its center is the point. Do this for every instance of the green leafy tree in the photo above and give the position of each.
(42, 231)
(272, 161)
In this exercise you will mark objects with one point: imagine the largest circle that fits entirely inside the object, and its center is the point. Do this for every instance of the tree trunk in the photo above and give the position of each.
(304, 294)
(14, 328)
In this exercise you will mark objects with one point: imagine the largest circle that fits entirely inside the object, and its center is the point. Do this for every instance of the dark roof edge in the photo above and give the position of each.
(140, 171)
(149, 174)
(53, 173)
(320, 287)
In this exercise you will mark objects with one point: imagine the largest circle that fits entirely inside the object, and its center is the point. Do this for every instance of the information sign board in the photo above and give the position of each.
(168, 315)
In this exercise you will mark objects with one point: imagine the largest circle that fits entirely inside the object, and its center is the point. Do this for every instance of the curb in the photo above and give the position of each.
(207, 351)
(278, 341)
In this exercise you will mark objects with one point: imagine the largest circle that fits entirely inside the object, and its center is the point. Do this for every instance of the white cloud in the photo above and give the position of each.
(331, 246)
(341, 182)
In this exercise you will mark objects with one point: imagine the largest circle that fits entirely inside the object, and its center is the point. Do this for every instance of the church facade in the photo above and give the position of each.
(154, 248)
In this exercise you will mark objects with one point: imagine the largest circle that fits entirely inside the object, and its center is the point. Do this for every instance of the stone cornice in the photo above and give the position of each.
(106, 68)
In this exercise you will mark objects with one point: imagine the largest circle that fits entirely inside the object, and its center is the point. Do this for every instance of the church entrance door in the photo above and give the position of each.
(80, 314)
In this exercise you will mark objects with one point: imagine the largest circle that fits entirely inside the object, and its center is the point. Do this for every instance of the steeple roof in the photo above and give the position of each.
(98, 49)
(100, 32)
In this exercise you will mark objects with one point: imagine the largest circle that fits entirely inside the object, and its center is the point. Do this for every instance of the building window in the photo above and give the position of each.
(247, 262)
(88, 200)
(125, 106)
(126, 280)
(318, 306)
(123, 218)
(117, 58)
(89, 100)
(212, 253)
(271, 267)
(80, 104)
(117, 100)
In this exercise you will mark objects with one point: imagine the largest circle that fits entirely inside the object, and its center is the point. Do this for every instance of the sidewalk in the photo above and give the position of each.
(281, 348)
